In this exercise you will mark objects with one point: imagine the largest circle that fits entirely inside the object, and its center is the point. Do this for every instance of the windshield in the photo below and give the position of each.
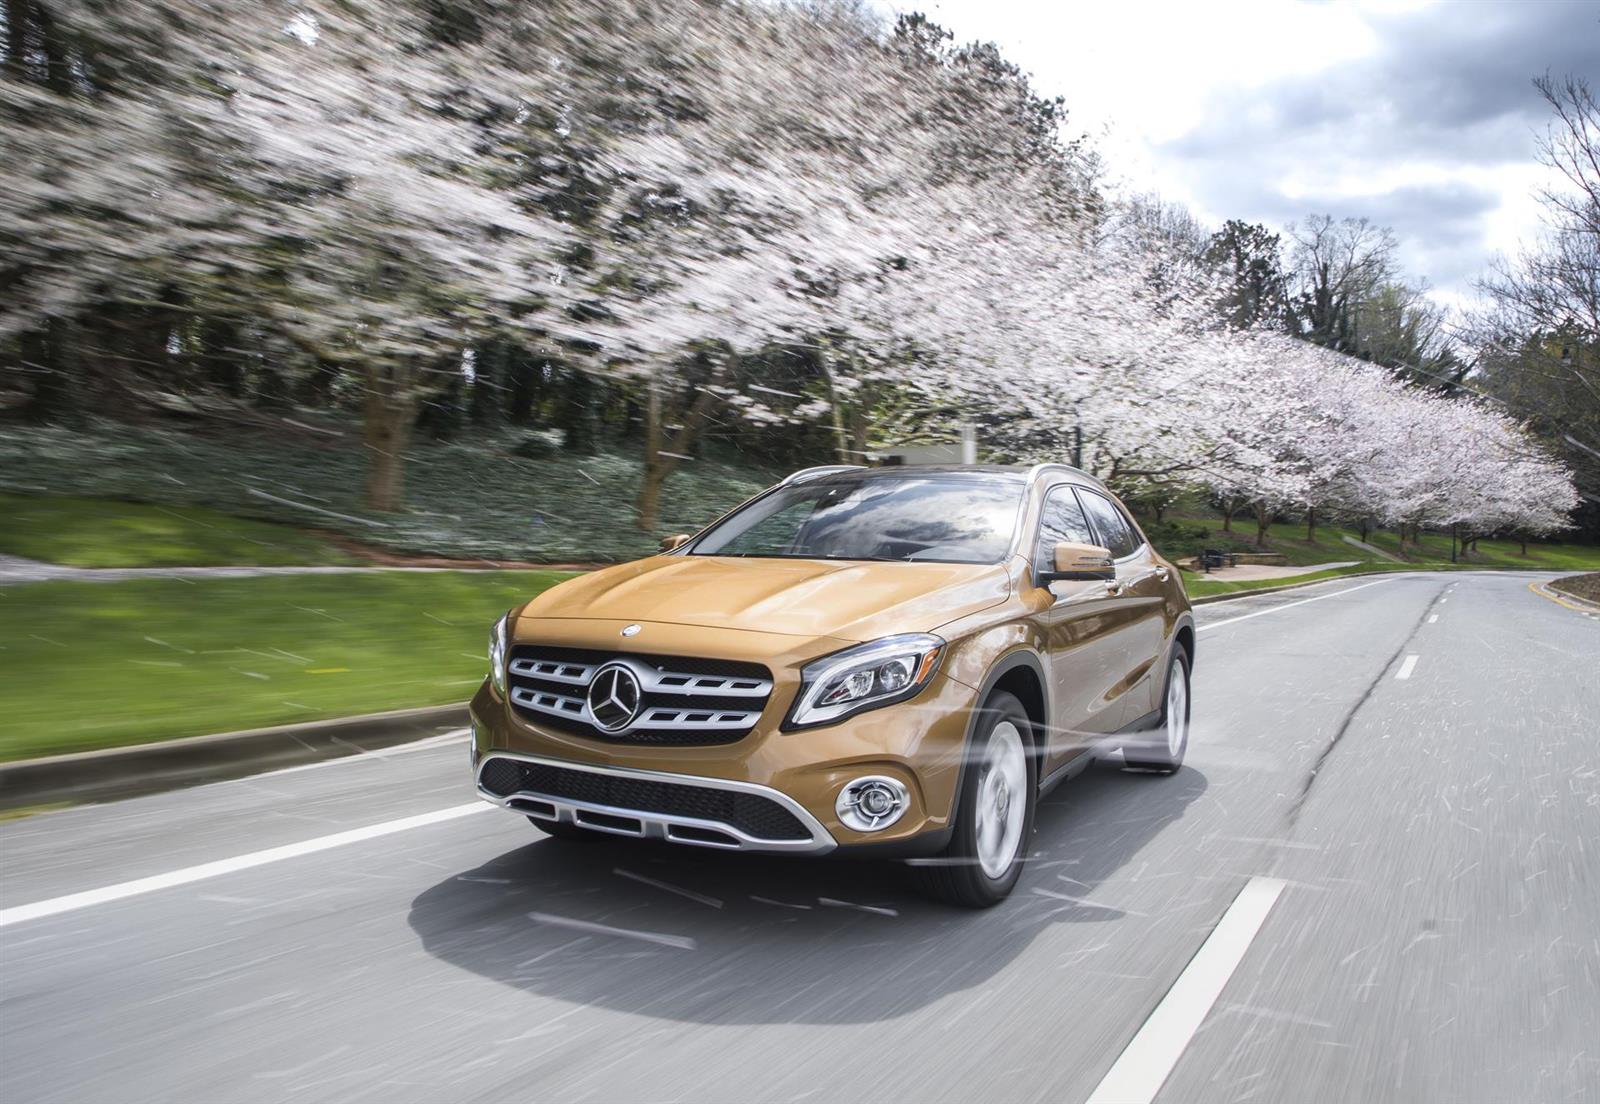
(948, 519)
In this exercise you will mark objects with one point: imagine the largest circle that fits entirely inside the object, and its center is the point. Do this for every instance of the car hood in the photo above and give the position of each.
(841, 599)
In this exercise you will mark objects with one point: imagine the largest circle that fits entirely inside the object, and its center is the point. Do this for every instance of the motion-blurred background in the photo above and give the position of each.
(471, 284)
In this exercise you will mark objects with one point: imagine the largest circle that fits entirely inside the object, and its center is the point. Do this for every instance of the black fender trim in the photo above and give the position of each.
(1010, 661)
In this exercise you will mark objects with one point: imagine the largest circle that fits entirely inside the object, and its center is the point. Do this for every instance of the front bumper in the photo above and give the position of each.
(677, 808)
(919, 742)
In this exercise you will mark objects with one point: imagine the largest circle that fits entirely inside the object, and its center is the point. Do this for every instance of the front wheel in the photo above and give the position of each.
(994, 813)
(1164, 746)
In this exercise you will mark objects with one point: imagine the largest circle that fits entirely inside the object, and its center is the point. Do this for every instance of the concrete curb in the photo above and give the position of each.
(1209, 598)
(1561, 597)
(149, 768)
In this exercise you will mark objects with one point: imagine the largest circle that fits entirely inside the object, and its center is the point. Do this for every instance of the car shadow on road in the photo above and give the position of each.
(715, 937)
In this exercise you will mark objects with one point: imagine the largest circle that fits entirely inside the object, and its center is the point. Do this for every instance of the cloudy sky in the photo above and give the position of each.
(1417, 114)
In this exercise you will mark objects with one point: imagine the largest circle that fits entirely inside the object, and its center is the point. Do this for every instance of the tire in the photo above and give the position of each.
(994, 821)
(569, 832)
(1164, 746)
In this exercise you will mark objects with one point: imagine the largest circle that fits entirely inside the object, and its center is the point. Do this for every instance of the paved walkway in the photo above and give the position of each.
(16, 569)
(1374, 549)
(1246, 572)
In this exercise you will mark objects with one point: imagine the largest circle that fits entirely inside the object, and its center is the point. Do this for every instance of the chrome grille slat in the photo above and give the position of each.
(575, 674)
(685, 719)
(675, 702)
(655, 681)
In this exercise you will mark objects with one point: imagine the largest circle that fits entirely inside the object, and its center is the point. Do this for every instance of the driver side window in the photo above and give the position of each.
(1060, 519)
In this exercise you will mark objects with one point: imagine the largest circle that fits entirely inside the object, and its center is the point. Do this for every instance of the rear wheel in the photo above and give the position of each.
(1164, 746)
(994, 813)
(557, 830)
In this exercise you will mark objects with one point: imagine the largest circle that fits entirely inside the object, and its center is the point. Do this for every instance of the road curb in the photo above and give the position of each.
(1206, 600)
(149, 768)
(1563, 598)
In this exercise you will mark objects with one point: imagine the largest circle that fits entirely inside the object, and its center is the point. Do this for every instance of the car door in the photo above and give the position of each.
(1079, 630)
(1137, 601)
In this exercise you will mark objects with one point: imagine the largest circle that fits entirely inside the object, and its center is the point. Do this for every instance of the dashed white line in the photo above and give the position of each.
(1407, 667)
(72, 901)
(1142, 1068)
(1432, 617)
(1289, 605)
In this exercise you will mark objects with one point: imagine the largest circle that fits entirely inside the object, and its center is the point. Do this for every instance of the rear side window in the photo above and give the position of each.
(1060, 519)
(1116, 533)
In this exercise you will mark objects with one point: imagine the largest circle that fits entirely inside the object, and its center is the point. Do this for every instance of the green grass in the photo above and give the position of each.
(94, 532)
(1289, 539)
(93, 665)
(1542, 556)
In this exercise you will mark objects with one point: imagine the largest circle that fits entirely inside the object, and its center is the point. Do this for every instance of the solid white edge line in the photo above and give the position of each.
(1407, 667)
(1144, 1065)
(55, 905)
(423, 744)
(1289, 605)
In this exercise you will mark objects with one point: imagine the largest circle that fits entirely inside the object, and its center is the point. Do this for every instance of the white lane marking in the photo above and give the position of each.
(1407, 667)
(1142, 1068)
(72, 901)
(1289, 605)
(1432, 617)
(361, 756)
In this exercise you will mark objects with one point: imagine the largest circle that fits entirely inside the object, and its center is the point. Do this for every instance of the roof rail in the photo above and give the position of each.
(1040, 469)
(825, 469)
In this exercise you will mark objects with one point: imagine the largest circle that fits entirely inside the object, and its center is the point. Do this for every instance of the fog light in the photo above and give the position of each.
(871, 804)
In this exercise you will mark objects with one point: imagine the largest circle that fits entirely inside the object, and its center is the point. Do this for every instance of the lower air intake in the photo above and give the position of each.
(752, 814)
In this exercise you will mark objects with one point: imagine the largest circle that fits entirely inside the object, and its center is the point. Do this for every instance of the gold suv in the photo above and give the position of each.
(894, 662)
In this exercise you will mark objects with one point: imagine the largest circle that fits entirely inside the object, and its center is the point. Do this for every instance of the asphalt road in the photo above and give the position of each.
(1437, 936)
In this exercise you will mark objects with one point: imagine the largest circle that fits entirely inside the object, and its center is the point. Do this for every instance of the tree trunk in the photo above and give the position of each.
(841, 438)
(859, 425)
(655, 465)
(1311, 525)
(219, 356)
(390, 409)
(662, 454)
(488, 372)
(521, 372)
(56, 395)
(1161, 512)
(1263, 520)
(580, 414)
(1524, 539)
(1228, 509)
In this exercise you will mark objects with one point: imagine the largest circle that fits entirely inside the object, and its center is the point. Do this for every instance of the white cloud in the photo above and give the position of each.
(1397, 109)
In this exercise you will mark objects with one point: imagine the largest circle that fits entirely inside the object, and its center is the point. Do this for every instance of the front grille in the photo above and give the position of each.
(681, 700)
(754, 815)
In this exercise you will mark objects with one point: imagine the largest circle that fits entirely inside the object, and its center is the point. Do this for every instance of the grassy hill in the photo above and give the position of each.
(479, 501)
(120, 496)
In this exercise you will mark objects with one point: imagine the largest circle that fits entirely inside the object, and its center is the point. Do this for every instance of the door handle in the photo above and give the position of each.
(1115, 587)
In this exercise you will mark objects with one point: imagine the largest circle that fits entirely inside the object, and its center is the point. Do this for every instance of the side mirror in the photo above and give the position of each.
(1080, 561)
(677, 540)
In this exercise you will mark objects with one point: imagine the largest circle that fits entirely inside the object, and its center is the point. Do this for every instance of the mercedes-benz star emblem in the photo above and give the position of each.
(631, 630)
(613, 697)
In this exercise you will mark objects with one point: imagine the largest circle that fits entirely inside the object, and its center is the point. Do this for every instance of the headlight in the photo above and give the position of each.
(865, 677)
(497, 656)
